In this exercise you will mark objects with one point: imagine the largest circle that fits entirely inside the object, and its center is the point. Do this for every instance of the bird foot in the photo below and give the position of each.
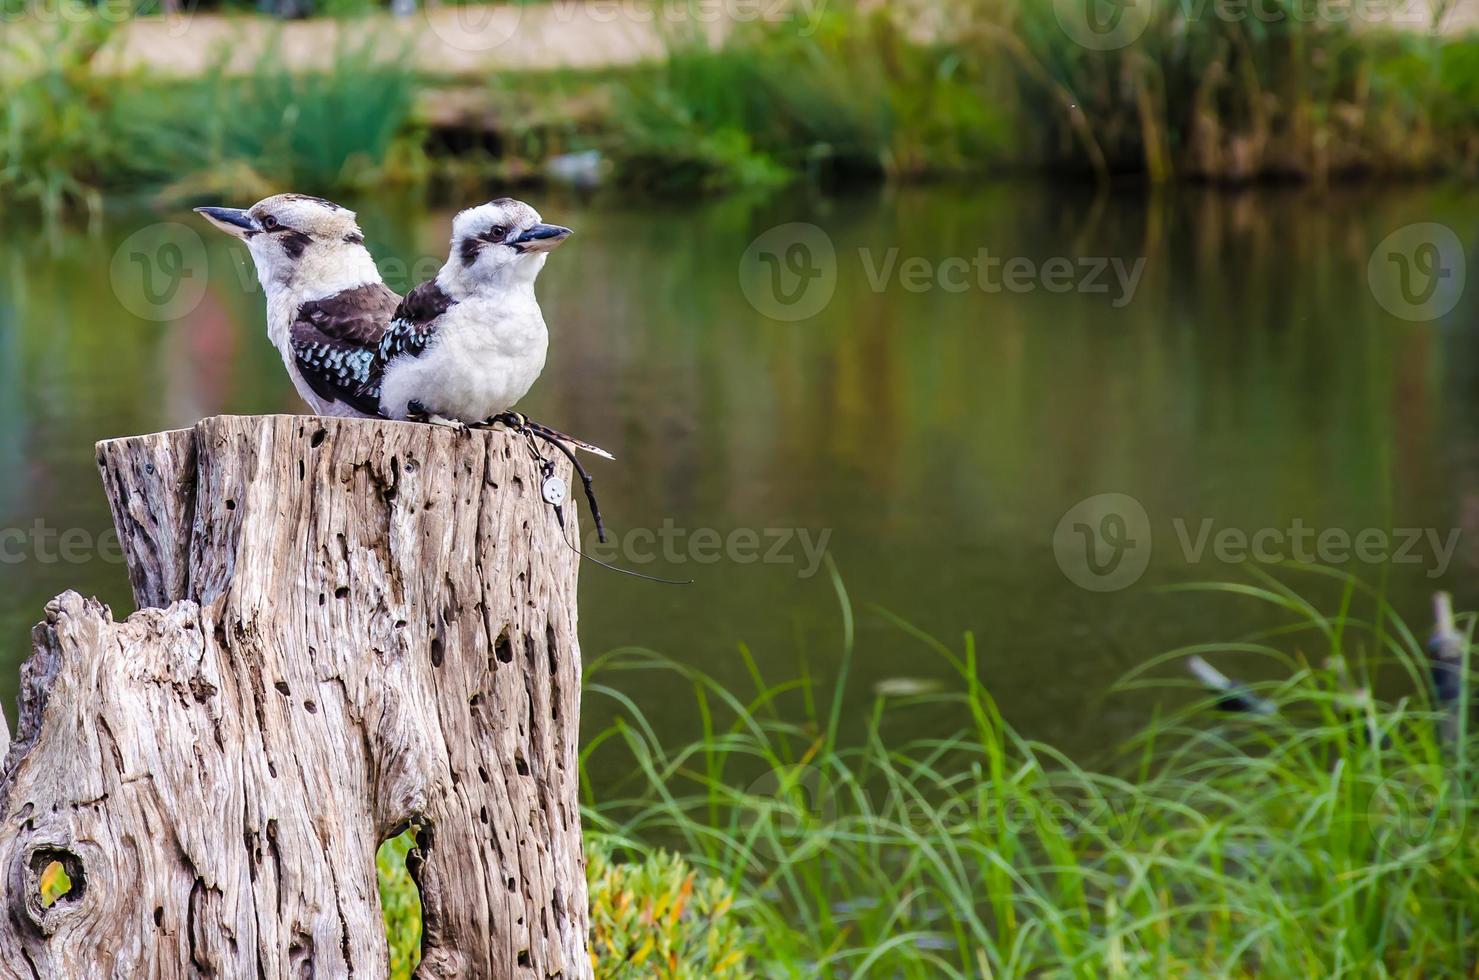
(513, 421)
(416, 412)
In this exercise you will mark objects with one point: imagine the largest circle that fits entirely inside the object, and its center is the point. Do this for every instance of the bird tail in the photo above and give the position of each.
(570, 440)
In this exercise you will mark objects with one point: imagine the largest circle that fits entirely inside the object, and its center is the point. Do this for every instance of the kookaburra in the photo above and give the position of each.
(468, 344)
(327, 308)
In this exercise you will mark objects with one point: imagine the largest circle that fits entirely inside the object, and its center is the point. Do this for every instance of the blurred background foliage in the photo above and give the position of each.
(983, 87)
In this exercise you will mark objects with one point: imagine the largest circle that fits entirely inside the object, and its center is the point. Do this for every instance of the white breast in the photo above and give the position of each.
(484, 359)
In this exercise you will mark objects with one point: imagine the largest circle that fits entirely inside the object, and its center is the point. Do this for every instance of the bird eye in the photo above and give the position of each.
(270, 223)
(497, 232)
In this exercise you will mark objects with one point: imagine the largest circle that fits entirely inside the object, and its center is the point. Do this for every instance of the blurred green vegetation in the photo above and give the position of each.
(401, 905)
(1332, 839)
(986, 86)
(69, 135)
(653, 918)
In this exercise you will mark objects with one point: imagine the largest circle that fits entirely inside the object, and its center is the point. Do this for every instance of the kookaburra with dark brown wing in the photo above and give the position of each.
(327, 307)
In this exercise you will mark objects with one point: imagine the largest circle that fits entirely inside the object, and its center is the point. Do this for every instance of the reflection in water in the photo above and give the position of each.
(938, 426)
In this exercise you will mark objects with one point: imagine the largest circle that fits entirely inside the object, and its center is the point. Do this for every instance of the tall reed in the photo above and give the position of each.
(1335, 839)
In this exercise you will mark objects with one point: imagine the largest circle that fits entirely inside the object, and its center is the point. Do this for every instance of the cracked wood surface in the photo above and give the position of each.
(349, 626)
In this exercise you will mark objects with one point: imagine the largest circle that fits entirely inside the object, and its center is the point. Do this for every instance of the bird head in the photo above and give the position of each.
(500, 243)
(295, 238)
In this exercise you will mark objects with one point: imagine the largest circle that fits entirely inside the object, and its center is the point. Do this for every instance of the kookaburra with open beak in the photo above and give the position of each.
(327, 308)
(465, 346)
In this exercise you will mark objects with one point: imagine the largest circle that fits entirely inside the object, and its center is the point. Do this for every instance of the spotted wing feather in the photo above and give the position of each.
(336, 344)
(413, 328)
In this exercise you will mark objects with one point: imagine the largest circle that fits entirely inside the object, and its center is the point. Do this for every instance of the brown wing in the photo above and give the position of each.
(336, 342)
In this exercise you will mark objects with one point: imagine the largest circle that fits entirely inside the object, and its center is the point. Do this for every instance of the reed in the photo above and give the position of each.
(1333, 839)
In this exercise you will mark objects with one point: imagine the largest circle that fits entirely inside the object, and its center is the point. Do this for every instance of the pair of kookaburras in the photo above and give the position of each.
(460, 349)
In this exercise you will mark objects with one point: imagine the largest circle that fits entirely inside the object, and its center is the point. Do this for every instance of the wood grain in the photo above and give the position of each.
(349, 627)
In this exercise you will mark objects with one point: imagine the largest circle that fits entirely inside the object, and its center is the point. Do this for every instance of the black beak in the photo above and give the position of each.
(541, 238)
(233, 221)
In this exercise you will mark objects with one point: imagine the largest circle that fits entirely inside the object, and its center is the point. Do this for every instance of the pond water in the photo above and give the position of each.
(1222, 359)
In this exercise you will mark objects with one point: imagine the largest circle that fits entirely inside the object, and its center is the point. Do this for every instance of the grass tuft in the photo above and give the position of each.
(1335, 838)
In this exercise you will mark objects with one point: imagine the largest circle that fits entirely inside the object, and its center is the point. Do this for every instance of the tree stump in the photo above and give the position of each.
(346, 628)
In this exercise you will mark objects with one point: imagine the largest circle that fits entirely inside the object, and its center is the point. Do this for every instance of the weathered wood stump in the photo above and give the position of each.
(346, 628)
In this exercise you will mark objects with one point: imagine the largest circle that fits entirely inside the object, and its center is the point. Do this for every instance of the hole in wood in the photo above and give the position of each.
(503, 650)
(400, 902)
(59, 876)
(318, 438)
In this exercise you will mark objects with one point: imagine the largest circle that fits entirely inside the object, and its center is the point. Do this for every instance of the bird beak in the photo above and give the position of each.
(541, 238)
(233, 221)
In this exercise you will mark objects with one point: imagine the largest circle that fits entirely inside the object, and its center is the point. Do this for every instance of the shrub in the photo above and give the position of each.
(658, 919)
(654, 919)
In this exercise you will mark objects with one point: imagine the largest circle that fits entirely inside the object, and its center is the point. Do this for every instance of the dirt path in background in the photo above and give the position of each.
(477, 40)
(447, 40)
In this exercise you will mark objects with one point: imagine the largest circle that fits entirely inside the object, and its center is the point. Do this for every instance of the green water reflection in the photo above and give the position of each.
(936, 433)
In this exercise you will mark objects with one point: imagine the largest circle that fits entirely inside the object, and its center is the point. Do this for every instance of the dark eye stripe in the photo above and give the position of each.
(295, 243)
